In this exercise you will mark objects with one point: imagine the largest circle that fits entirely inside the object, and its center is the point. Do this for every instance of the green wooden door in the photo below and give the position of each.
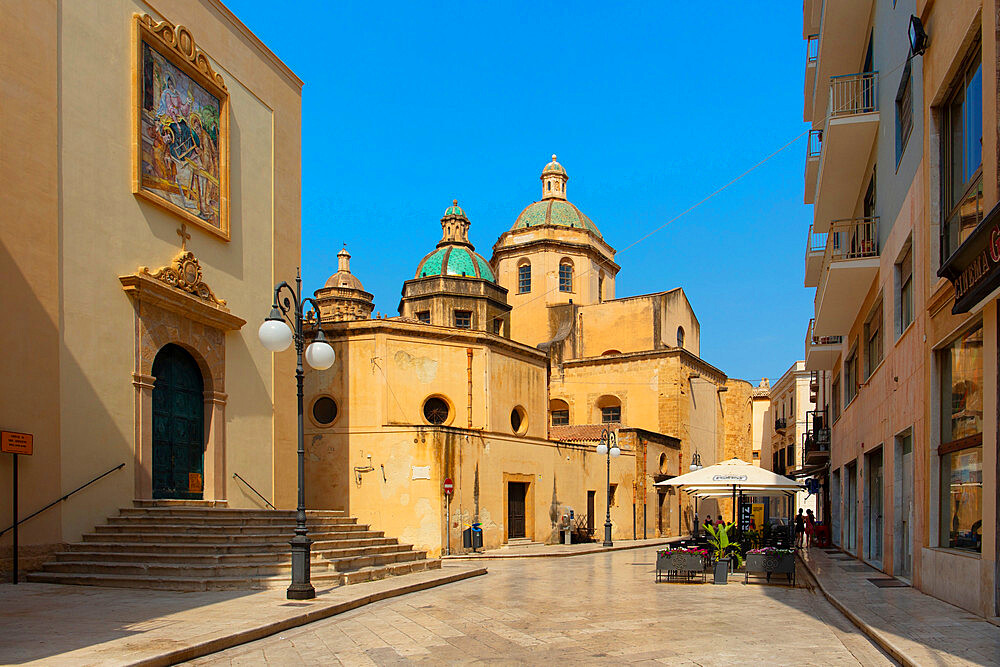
(178, 425)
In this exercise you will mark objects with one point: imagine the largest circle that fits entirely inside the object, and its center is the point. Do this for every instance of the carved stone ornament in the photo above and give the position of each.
(184, 274)
(179, 39)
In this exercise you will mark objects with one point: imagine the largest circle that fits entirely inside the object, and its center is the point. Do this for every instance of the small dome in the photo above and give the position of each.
(343, 277)
(553, 167)
(455, 260)
(556, 212)
(454, 209)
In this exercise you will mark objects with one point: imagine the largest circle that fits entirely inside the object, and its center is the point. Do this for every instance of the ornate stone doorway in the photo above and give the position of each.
(178, 425)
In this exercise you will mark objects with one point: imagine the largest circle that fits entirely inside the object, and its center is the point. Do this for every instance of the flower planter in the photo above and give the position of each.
(679, 565)
(721, 571)
(771, 561)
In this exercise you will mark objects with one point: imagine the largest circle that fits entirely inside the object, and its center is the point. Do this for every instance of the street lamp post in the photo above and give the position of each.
(283, 326)
(609, 447)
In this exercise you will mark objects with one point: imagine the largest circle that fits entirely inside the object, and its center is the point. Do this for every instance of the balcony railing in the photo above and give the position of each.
(817, 241)
(852, 239)
(813, 339)
(815, 144)
(816, 440)
(853, 94)
(812, 48)
(780, 424)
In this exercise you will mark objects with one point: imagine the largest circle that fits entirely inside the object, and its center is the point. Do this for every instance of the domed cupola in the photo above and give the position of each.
(343, 298)
(454, 285)
(455, 255)
(554, 209)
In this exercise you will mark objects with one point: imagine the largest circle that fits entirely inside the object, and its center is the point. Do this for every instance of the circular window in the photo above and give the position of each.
(324, 411)
(663, 464)
(436, 410)
(518, 420)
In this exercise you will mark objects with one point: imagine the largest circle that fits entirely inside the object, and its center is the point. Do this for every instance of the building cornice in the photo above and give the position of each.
(687, 357)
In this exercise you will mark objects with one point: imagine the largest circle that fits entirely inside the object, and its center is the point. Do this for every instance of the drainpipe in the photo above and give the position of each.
(468, 352)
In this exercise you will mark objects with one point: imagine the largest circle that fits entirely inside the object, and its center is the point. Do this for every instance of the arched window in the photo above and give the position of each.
(550, 186)
(559, 411)
(680, 336)
(600, 287)
(524, 277)
(566, 275)
(611, 409)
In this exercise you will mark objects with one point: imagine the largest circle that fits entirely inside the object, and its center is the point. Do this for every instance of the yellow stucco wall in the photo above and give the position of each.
(88, 228)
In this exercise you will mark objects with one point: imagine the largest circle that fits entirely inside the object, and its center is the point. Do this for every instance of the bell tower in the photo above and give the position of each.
(554, 179)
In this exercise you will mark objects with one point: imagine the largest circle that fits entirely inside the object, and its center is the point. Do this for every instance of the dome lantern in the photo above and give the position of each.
(454, 226)
(554, 179)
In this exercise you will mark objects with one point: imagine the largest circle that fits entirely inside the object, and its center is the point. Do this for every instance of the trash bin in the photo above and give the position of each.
(567, 536)
(472, 537)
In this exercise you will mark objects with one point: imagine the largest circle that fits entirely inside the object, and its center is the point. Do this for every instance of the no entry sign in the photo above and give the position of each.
(448, 486)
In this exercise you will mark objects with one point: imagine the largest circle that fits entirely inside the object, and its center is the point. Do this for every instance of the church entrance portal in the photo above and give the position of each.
(516, 494)
(178, 425)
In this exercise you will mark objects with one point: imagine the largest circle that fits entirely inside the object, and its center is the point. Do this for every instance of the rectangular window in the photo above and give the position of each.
(904, 112)
(560, 417)
(497, 326)
(835, 397)
(611, 415)
(904, 297)
(961, 448)
(873, 340)
(962, 499)
(962, 157)
(565, 277)
(424, 316)
(851, 375)
(463, 319)
(756, 456)
(524, 278)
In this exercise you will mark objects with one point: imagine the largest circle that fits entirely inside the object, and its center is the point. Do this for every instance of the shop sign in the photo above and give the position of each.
(16, 443)
(974, 269)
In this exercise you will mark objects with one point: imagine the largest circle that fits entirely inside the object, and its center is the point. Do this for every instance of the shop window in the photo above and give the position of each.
(463, 319)
(873, 340)
(524, 277)
(961, 448)
(559, 412)
(566, 276)
(424, 316)
(904, 292)
(962, 156)
(324, 411)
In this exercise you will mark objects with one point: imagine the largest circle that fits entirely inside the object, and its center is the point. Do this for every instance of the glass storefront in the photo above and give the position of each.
(962, 499)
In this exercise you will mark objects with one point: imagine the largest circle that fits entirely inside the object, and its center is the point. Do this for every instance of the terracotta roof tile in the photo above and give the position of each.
(580, 432)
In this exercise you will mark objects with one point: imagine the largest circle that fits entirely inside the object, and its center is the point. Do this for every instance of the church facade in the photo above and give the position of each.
(500, 376)
(151, 205)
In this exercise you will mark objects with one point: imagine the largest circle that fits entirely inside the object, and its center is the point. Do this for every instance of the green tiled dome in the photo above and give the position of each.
(454, 209)
(553, 168)
(455, 260)
(555, 212)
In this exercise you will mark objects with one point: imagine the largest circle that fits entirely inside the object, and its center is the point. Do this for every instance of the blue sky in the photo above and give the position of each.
(650, 108)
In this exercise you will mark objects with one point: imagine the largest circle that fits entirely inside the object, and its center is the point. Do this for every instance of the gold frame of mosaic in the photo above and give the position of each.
(176, 45)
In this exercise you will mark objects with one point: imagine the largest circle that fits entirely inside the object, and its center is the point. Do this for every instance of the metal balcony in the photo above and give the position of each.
(816, 440)
(815, 252)
(814, 149)
(850, 264)
(842, 26)
(821, 351)
(780, 424)
(848, 138)
(809, 84)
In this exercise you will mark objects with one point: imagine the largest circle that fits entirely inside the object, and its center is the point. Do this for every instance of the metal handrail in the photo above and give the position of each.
(852, 94)
(812, 48)
(813, 339)
(250, 486)
(59, 500)
(815, 241)
(814, 146)
(855, 238)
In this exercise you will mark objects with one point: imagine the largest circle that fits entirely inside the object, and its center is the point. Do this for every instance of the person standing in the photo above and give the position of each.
(800, 527)
(810, 527)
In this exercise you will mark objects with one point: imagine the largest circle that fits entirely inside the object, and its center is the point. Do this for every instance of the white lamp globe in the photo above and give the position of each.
(615, 451)
(274, 335)
(320, 355)
(694, 467)
(602, 449)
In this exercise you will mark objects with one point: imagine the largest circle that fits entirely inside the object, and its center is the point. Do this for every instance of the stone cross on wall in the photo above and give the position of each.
(183, 233)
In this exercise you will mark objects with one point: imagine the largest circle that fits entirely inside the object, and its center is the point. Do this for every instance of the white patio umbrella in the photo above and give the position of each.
(728, 478)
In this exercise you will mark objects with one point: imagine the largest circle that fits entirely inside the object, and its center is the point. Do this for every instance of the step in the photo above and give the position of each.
(383, 571)
(181, 528)
(221, 521)
(359, 562)
(175, 570)
(179, 503)
(219, 539)
(248, 558)
(222, 512)
(178, 547)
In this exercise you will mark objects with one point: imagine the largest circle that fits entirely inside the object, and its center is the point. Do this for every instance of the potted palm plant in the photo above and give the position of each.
(722, 550)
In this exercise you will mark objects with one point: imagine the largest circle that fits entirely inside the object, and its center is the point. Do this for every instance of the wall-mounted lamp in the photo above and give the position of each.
(918, 37)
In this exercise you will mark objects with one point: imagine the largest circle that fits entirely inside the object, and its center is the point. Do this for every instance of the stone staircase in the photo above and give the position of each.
(195, 546)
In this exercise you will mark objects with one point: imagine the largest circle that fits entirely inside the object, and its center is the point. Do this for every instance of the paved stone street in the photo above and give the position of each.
(591, 608)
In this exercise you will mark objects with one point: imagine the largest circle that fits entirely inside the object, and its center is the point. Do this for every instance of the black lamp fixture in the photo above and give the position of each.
(918, 37)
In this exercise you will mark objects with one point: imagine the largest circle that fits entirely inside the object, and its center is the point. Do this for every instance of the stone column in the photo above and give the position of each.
(143, 455)
(215, 445)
